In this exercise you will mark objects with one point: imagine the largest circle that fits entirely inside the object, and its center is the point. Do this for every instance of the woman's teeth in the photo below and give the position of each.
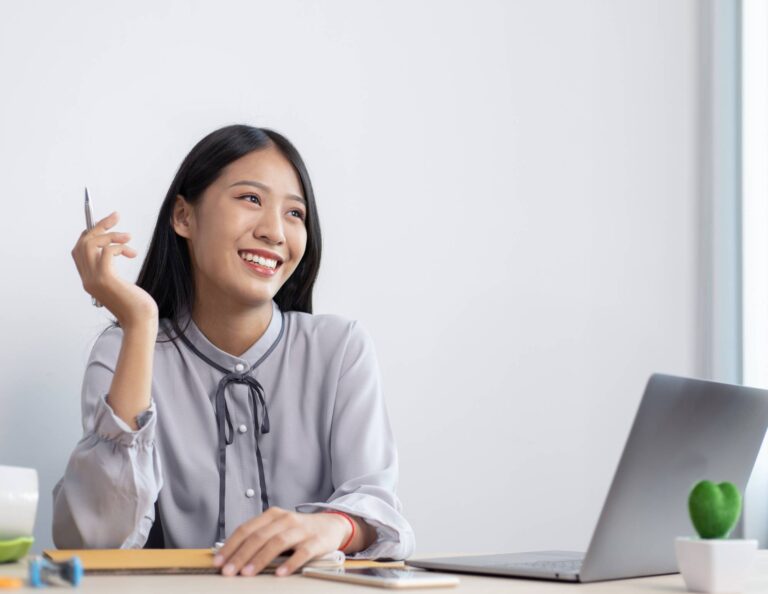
(266, 262)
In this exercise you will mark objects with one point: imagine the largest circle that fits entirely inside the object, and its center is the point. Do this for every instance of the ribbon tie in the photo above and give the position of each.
(224, 420)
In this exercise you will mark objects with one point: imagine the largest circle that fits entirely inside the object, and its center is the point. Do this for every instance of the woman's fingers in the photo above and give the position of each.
(104, 260)
(104, 263)
(280, 542)
(101, 226)
(93, 254)
(254, 544)
(91, 240)
(107, 238)
(99, 230)
(93, 245)
(309, 549)
(98, 274)
(105, 224)
(117, 250)
(244, 531)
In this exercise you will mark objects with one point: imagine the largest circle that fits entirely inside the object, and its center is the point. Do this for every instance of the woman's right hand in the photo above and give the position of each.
(94, 253)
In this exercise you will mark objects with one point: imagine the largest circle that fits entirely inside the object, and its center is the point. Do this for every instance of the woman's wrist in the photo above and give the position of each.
(359, 535)
(142, 323)
(351, 528)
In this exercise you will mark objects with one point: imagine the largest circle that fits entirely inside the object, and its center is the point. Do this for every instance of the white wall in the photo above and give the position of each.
(754, 149)
(508, 194)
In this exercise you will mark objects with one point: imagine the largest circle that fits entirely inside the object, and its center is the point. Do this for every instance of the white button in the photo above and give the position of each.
(250, 493)
(239, 367)
(242, 428)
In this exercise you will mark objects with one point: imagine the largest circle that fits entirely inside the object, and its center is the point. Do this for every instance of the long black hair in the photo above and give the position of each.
(166, 273)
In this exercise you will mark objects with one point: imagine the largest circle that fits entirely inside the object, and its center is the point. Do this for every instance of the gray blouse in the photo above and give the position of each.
(328, 443)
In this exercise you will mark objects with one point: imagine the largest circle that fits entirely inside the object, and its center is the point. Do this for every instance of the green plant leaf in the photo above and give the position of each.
(714, 509)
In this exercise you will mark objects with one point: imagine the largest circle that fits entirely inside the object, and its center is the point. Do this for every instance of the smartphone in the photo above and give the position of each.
(385, 577)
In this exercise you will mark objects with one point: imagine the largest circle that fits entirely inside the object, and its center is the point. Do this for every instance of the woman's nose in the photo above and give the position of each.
(270, 226)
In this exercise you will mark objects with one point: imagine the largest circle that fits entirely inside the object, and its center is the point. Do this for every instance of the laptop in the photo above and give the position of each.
(685, 430)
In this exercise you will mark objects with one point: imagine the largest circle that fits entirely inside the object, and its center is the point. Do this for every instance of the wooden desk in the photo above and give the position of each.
(205, 584)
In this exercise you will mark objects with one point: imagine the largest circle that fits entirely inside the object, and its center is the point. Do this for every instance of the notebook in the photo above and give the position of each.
(163, 561)
(180, 561)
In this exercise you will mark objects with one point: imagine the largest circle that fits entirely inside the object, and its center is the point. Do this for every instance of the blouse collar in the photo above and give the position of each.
(249, 357)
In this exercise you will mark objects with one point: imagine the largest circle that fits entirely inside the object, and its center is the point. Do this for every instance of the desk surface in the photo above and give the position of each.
(204, 584)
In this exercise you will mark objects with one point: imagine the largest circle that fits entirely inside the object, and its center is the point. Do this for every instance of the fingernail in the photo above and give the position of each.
(247, 570)
(281, 570)
(229, 569)
(218, 560)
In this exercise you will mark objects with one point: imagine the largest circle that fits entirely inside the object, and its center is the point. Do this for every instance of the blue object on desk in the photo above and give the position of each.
(43, 572)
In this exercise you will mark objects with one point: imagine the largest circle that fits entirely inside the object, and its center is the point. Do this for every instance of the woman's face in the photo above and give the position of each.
(247, 233)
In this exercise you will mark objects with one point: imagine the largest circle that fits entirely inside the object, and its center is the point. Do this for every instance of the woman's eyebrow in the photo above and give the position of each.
(258, 184)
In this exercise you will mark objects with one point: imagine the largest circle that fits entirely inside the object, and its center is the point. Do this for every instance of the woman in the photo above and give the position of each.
(218, 408)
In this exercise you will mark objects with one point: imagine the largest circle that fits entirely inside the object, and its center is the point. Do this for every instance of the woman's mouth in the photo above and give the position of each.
(260, 265)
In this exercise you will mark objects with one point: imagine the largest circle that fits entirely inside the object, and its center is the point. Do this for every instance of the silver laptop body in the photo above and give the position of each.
(685, 430)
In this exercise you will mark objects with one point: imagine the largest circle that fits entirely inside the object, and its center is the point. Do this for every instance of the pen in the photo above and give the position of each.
(89, 226)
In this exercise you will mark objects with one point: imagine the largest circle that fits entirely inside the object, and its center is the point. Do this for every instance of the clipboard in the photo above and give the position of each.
(179, 561)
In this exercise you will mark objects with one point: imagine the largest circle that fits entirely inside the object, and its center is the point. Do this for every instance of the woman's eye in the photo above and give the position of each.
(254, 199)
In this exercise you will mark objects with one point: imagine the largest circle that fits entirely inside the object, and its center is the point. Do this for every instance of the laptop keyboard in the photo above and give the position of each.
(555, 566)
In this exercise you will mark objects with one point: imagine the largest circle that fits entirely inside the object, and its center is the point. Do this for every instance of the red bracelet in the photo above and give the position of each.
(351, 523)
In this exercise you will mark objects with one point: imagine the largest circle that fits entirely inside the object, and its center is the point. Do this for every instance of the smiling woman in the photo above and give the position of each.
(228, 220)
(218, 408)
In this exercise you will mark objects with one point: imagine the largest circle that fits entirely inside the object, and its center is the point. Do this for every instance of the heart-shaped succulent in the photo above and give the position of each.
(714, 508)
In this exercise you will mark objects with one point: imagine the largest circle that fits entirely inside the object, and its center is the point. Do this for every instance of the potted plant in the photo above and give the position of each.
(713, 562)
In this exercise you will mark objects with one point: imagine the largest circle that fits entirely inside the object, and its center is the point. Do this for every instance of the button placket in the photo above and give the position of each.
(245, 447)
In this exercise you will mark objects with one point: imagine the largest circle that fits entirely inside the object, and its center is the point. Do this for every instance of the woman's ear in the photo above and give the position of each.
(182, 216)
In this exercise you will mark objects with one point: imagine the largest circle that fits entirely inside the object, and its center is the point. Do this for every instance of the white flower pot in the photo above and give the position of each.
(715, 565)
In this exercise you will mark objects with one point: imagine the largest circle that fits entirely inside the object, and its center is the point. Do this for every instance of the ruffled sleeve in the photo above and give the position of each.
(106, 497)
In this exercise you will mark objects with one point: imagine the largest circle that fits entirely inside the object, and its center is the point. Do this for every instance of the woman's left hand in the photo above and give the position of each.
(257, 542)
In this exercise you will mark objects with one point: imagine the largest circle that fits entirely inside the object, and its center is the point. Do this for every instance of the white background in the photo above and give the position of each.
(754, 148)
(508, 193)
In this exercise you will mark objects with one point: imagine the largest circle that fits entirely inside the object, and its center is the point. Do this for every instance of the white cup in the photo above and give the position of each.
(18, 501)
